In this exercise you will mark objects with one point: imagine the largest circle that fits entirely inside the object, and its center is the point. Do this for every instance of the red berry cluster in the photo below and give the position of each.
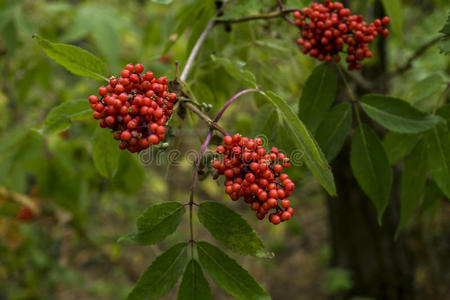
(256, 175)
(327, 27)
(136, 107)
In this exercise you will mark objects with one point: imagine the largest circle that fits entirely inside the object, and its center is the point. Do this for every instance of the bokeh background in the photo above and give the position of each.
(60, 220)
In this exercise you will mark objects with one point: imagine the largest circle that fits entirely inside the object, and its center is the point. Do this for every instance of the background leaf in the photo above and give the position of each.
(162, 274)
(157, 222)
(425, 88)
(398, 145)
(394, 11)
(236, 70)
(314, 157)
(397, 115)
(194, 285)
(231, 230)
(228, 275)
(334, 129)
(438, 153)
(371, 167)
(317, 96)
(105, 153)
(414, 177)
(76, 60)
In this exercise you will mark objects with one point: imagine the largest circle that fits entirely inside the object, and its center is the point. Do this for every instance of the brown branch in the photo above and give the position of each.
(19, 198)
(409, 63)
(262, 16)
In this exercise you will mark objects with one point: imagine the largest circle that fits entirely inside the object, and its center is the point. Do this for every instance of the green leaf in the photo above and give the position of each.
(314, 158)
(334, 129)
(228, 275)
(317, 96)
(60, 117)
(157, 222)
(398, 145)
(371, 167)
(105, 153)
(394, 11)
(397, 115)
(236, 70)
(438, 153)
(231, 230)
(425, 88)
(76, 60)
(414, 178)
(194, 285)
(162, 274)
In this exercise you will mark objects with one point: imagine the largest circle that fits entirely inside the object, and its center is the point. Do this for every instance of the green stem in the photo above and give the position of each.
(353, 99)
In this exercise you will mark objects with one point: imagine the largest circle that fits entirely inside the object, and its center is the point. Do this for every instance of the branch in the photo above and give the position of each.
(19, 198)
(409, 63)
(200, 42)
(262, 16)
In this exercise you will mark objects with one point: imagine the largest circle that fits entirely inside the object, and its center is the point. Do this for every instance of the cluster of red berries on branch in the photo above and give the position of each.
(256, 175)
(329, 28)
(135, 106)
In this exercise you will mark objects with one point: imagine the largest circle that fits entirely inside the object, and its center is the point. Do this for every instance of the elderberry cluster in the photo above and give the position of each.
(327, 27)
(256, 175)
(136, 107)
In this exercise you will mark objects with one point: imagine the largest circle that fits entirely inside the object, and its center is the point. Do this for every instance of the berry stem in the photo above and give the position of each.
(280, 4)
(231, 100)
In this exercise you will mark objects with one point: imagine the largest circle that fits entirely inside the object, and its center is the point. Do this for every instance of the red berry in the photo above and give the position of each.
(125, 136)
(285, 216)
(138, 68)
(102, 91)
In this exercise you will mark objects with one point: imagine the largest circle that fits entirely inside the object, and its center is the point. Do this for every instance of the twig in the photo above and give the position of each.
(409, 63)
(200, 42)
(262, 16)
(19, 198)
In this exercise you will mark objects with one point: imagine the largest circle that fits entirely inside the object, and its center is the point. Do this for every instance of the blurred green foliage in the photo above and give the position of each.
(71, 244)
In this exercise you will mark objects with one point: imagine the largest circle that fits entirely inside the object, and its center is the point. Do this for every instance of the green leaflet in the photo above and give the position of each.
(231, 230)
(371, 167)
